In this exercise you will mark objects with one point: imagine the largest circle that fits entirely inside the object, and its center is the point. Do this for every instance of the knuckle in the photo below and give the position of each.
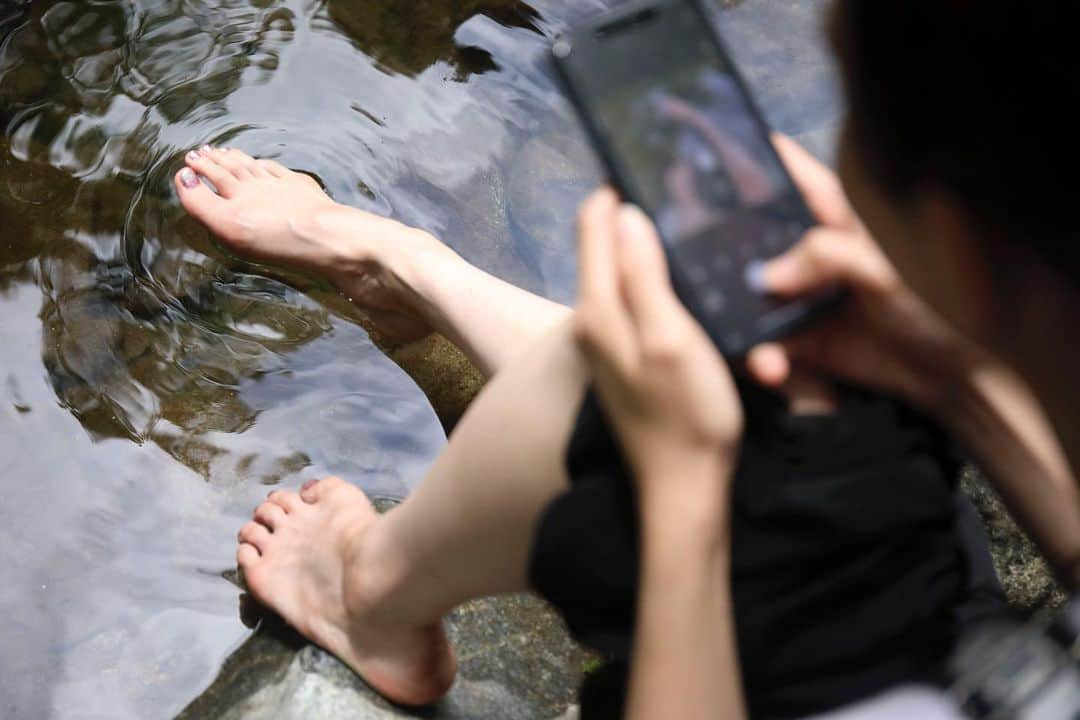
(664, 348)
(586, 326)
(816, 243)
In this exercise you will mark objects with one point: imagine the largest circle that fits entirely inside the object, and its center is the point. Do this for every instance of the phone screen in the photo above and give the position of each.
(690, 148)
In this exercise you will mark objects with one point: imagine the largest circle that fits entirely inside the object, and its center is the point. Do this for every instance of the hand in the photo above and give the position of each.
(884, 336)
(660, 378)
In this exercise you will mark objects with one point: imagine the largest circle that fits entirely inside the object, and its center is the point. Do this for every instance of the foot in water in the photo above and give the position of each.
(261, 210)
(307, 558)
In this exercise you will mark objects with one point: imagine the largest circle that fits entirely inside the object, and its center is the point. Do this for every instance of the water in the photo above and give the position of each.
(153, 388)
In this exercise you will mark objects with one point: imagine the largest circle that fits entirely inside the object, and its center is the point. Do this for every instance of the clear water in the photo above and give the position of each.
(152, 388)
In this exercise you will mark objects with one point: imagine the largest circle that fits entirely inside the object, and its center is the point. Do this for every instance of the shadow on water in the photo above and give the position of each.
(151, 385)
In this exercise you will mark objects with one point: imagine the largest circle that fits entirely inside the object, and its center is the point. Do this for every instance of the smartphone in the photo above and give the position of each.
(681, 137)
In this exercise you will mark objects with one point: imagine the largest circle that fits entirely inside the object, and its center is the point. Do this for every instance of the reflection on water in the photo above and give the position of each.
(151, 386)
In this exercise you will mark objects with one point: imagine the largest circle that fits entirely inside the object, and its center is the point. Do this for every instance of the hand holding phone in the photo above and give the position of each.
(681, 138)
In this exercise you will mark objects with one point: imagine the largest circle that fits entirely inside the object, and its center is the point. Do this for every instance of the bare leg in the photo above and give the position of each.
(407, 280)
(373, 590)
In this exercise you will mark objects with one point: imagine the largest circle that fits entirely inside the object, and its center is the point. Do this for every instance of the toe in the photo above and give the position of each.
(270, 514)
(240, 164)
(256, 535)
(315, 490)
(274, 169)
(202, 162)
(246, 557)
(289, 501)
(199, 200)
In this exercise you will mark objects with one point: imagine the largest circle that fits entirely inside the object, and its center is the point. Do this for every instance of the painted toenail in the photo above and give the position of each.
(205, 149)
(188, 178)
(308, 485)
(194, 155)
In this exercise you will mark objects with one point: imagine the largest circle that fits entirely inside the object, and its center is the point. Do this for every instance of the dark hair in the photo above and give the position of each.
(976, 97)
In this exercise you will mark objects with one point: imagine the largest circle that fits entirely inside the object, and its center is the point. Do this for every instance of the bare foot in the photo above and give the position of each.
(303, 558)
(264, 211)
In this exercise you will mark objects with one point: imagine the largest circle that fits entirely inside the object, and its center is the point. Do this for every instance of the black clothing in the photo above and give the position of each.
(846, 565)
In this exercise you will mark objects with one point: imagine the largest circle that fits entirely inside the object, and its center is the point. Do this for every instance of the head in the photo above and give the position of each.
(960, 153)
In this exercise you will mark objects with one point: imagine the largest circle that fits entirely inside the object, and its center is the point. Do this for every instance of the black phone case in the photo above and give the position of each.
(786, 319)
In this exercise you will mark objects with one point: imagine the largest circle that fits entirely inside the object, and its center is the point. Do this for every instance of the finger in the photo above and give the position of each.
(818, 184)
(815, 349)
(769, 364)
(825, 258)
(596, 229)
(602, 323)
(643, 276)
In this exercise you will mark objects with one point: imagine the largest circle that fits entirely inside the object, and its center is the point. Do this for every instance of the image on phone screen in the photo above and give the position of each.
(690, 149)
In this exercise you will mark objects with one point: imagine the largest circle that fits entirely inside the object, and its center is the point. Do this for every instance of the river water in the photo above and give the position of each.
(153, 388)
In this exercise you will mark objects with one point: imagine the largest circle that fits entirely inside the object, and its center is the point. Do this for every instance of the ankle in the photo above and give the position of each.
(376, 572)
(410, 263)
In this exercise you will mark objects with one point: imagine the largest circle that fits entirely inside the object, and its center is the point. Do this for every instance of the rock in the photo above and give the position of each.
(516, 663)
(1029, 584)
(515, 659)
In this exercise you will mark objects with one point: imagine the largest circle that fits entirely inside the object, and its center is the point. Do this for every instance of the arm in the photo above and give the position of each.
(887, 338)
(678, 419)
(684, 662)
(751, 180)
(993, 414)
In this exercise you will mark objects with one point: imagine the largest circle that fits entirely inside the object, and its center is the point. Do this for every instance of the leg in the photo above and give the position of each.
(373, 590)
(407, 280)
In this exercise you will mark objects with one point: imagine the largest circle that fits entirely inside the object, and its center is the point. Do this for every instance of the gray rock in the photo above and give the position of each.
(516, 663)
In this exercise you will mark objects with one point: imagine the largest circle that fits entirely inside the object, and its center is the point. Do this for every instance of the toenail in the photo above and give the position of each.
(188, 178)
(205, 149)
(194, 155)
(308, 485)
(225, 148)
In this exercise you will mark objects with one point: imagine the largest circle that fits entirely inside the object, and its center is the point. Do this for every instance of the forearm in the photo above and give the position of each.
(998, 420)
(684, 663)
